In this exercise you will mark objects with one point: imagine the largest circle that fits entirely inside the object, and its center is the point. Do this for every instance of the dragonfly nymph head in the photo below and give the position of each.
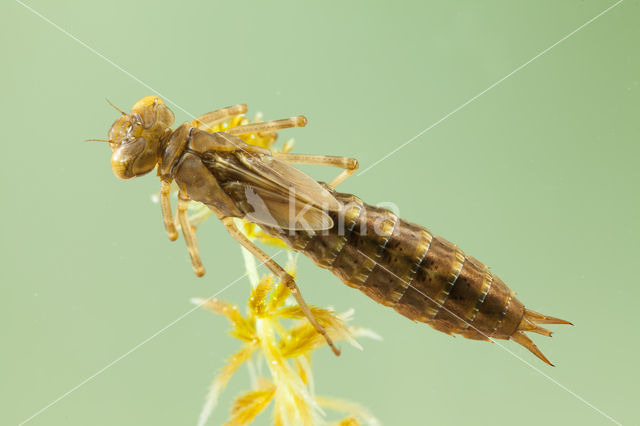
(135, 137)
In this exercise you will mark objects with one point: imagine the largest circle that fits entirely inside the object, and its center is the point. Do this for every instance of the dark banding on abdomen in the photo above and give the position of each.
(402, 265)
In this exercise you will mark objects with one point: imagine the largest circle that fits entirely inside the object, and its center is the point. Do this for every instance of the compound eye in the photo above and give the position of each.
(125, 157)
(119, 129)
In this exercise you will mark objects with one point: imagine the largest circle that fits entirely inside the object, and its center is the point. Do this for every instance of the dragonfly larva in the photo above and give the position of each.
(397, 263)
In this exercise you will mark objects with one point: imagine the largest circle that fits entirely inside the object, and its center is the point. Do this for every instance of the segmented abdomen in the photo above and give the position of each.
(420, 275)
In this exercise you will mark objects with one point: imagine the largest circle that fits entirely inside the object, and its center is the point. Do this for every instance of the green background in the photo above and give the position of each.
(538, 178)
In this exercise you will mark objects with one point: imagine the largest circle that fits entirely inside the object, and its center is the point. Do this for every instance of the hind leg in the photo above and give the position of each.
(350, 165)
(282, 275)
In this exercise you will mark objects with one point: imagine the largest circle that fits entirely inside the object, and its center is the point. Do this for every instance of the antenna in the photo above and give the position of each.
(117, 109)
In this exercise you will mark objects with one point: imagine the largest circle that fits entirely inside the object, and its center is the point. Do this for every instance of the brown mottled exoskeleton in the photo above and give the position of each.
(397, 263)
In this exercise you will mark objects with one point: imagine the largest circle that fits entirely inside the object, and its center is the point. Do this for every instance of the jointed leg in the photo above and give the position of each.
(165, 205)
(282, 275)
(212, 119)
(350, 165)
(189, 235)
(268, 126)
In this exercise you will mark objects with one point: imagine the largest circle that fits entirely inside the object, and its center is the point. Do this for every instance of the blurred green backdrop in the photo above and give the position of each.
(538, 178)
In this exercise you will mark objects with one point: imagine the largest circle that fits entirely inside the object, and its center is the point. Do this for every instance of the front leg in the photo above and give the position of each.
(165, 205)
(211, 119)
(268, 126)
(282, 275)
